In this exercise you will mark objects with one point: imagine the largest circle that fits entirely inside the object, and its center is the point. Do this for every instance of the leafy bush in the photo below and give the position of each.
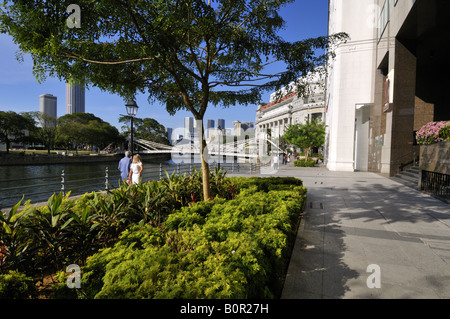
(218, 249)
(444, 133)
(16, 285)
(265, 183)
(13, 240)
(39, 240)
(303, 163)
(158, 239)
(320, 156)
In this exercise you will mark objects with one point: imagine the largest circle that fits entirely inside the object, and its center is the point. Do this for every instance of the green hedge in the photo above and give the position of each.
(303, 163)
(220, 249)
(15, 285)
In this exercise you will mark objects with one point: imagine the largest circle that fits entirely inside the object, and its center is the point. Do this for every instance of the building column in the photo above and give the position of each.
(404, 94)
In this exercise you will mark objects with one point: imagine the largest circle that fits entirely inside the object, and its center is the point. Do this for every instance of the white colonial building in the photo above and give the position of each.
(278, 114)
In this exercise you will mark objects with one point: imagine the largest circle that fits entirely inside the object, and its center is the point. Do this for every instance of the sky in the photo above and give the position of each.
(19, 90)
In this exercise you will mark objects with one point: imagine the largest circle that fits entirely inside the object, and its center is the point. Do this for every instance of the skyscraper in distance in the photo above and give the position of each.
(48, 106)
(221, 124)
(75, 98)
(209, 126)
(188, 128)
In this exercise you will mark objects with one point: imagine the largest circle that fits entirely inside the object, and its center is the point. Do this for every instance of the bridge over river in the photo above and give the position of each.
(249, 148)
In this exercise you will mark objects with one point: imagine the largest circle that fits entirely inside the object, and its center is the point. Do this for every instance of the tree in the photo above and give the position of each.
(48, 130)
(13, 127)
(187, 54)
(306, 136)
(87, 129)
(147, 129)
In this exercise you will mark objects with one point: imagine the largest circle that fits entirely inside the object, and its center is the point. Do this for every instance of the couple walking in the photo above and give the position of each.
(131, 170)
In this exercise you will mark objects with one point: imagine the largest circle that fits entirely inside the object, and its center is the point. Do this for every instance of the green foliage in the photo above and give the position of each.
(64, 231)
(306, 136)
(320, 156)
(444, 133)
(265, 184)
(13, 126)
(303, 163)
(86, 128)
(159, 239)
(15, 285)
(59, 289)
(216, 249)
(14, 240)
(147, 129)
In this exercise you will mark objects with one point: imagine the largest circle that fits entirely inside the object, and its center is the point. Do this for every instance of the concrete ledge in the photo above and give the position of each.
(435, 158)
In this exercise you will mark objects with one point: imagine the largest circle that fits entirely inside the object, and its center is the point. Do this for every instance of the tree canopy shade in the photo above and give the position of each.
(187, 54)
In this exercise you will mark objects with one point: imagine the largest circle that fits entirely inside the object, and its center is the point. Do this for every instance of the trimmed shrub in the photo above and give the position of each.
(303, 163)
(219, 249)
(265, 183)
(16, 285)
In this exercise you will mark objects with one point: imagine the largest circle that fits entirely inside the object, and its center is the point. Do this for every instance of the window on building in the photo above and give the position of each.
(384, 18)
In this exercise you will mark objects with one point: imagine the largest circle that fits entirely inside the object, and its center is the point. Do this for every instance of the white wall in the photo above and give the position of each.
(350, 82)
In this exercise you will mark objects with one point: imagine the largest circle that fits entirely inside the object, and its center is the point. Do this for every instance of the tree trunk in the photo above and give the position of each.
(8, 145)
(204, 159)
(307, 151)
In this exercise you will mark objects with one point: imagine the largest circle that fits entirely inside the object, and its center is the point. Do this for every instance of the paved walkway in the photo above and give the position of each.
(353, 220)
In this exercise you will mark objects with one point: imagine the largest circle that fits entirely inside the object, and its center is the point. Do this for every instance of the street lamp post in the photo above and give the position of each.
(220, 139)
(132, 109)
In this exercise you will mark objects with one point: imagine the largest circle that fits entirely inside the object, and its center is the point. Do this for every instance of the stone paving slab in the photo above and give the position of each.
(356, 219)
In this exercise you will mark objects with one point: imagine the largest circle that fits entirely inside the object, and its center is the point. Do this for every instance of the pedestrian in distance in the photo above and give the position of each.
(135, 170)
(275, 162)
(124, 166)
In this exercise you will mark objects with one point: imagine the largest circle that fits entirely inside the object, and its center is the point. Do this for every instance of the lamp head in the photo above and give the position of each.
(132, 108)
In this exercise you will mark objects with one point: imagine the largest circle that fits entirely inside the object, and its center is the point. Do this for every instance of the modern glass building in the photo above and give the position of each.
(75, 98)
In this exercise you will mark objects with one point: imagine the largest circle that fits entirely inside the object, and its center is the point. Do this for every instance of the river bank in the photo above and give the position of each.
(15, 159)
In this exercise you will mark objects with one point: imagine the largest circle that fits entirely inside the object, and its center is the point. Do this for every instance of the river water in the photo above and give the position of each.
(38, 182)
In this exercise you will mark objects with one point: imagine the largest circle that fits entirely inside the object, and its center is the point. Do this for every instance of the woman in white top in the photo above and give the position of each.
(136, 170)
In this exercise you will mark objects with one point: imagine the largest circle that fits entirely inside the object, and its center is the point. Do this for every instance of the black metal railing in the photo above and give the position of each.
(436, 184)
(401, 165)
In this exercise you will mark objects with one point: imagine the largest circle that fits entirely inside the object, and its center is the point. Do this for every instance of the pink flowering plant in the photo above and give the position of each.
(433, 132)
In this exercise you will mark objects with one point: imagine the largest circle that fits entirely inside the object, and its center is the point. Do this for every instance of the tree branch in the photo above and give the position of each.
(76, 57)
